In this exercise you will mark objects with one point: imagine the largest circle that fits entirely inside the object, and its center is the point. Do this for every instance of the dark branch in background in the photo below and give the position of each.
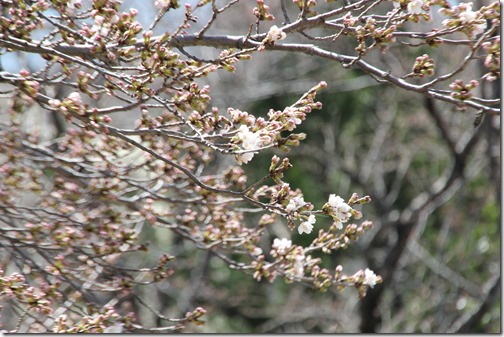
(423, 205)
(471, 322)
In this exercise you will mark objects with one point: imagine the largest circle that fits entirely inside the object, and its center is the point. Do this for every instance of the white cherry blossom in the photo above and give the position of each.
(282, 246)
(162, 3)
(468, 14)
(479, 28)
(339, 225)
(370, 278)
(250, 141)
(307, 226)
(295, 203)
(340, 208)
(275, 34)
(415, 7)
(75, 97)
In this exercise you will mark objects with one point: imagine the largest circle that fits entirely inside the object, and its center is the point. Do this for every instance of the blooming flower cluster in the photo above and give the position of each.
(415, 6)
(281, 246)
(249, 141)
(336, 207)
(106, 320)
(297, 205)
(256, 133)
(464, 15)
(467, 15)
(294, 204)
(470, 17)
(339, 209)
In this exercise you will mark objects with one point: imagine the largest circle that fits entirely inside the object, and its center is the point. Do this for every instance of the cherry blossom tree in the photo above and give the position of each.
(135, 146)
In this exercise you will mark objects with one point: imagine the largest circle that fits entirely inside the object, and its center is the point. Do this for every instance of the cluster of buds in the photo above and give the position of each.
(30, 88)
(35, 299)
(462, 91)
(261, 12)
(193, 99)
(289, 258)
(306, 6)
(384, 35)
(84, 80)
(228, 58)
(195, 315)
(334, 239)
(349, 20)
(424, 66)
(108, 25)
(98, 322)
(263, 269)
(380, 35)
(257, 133)
(162, 61)
(22, 19)
(72, 104)
(162, 271)
(492, 60)
(361, 280)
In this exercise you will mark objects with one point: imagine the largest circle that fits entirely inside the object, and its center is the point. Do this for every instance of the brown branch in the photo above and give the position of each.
(255, 41)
